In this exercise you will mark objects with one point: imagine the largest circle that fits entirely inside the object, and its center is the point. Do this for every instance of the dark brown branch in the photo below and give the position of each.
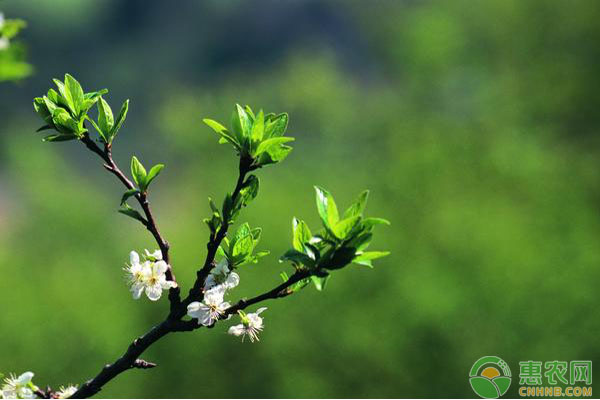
(276, 293)
(142, 199)
(280, 291)
(173, 322)
(127, 361)
(130, 358)
(214, 242)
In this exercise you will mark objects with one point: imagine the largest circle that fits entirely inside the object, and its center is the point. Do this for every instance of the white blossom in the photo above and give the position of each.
(155, 280)
(211, 308)
(156, 255)
(251, 325)
(221, 275)
(135, 274)
(18, 387)
(66, 392)
(147, 276)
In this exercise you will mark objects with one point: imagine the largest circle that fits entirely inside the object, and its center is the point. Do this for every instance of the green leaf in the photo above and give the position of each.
(361, 241)
(63, 95)
(366, 257)
(256, 233)
(244, 121)
(274, 154)
(73, 94)
(358, 206)
(213, 206)
(40, 107)
(97, 128)
(319, 281)
(249, 113)
(128, 194)
(326, 208)
(236, 126)
(106, 121)
(276, 126)
(64, 122)
(262, 253)
(266, 145)
(217, 127)
(226, 137)
(120, 120)
(297, 257)
(44, 128)
(343, 227)
(300, 234)
(95, 95)
(241, 249)
(242, 231)
(130, 212)
(59, 138)
(138, 172)
(50, 105)
(249, 190)
(340, 258)
(228, 207)
(258, 127)
(369, 223)
(153, 173)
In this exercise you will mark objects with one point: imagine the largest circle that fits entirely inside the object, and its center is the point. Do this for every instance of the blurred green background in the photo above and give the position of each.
(474, 124)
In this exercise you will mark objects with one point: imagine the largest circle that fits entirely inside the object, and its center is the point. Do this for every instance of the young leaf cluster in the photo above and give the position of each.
(232, 205)
(65, 110)
(256, 137)
(343, 240)
(240, 249)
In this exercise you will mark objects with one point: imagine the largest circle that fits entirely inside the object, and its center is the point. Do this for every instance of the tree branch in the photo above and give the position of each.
(142, 198)
(276, 293)
(128, 360)
(173, 322)
(215, 240)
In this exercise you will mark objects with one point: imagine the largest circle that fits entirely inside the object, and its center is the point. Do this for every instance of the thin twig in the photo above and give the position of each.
(142, 198)
(214, 242)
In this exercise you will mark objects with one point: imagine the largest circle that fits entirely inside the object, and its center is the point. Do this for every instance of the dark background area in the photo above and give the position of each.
(474, 125)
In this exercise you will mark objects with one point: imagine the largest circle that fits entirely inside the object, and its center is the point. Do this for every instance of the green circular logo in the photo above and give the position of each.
(490, 377)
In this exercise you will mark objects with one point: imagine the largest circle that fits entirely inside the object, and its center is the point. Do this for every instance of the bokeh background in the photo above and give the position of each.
(474, 124)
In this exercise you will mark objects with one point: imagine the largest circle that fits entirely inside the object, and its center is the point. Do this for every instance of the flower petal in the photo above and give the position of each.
(237, 330)
(232, 280)
(160, 267)
(153, 292)
(134, 258)
(136, 290)
(25, 378)
(260, 310)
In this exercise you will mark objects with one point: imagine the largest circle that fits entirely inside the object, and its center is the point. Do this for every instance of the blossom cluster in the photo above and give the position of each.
(22, 387)
(148, 276)
(213, 306)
